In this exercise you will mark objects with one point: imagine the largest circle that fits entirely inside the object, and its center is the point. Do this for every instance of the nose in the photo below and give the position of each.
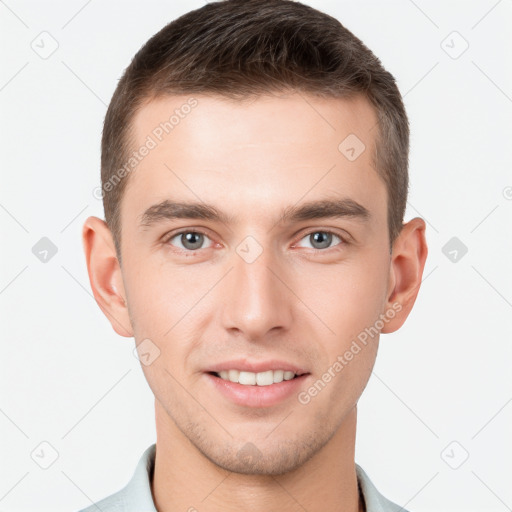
(257, 297)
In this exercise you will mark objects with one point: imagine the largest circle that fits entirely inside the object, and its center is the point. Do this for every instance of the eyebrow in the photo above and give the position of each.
(320, 209)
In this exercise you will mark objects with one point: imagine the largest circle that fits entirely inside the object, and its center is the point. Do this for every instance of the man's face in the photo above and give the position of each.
(260, 287)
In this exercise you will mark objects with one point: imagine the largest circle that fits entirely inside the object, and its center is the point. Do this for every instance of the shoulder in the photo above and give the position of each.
(136, 495)
(374, 500)
(113, 503)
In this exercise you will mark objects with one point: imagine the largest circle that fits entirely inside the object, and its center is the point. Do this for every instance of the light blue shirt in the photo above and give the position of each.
(136, 495)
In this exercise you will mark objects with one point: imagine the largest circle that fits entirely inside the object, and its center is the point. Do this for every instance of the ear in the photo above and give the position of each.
(105, 274)
(406, 269)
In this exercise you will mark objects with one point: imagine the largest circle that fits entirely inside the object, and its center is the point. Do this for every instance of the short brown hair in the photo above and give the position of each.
(244, 48)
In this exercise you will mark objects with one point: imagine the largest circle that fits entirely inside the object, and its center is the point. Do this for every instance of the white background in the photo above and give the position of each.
(68, 379)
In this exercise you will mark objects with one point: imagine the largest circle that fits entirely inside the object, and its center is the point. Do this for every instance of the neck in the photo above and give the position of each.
(184, 479)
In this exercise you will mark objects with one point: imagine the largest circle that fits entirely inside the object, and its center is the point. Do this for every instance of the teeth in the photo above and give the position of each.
(278, 376)
(247, 378)
(260, 379)
(265, 378)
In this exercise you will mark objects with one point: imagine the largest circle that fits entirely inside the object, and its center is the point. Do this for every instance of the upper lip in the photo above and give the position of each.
(256, 366)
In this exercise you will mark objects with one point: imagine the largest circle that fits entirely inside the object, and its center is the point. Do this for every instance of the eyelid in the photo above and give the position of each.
(172, 234)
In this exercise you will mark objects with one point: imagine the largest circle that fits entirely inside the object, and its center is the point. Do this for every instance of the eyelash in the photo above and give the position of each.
(172, 235)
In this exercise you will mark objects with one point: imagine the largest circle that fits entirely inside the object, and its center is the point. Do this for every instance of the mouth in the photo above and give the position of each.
(264, 378)
(256, 389)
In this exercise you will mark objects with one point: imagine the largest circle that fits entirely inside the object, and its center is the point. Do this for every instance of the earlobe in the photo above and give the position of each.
(105, 275)
(406, 270)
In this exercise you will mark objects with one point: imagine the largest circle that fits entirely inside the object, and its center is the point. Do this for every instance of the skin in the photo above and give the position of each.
(296, 302)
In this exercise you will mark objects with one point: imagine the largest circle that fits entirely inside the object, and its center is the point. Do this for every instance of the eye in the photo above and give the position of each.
(189, 240)
(322, 239)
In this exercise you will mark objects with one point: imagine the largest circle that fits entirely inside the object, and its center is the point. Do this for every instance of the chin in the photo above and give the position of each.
(264, 458)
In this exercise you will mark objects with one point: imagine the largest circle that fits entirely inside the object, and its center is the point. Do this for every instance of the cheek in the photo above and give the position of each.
(348, 297)
(158, 299)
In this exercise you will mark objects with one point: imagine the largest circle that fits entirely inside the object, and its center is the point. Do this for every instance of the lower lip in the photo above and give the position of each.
(257, 396)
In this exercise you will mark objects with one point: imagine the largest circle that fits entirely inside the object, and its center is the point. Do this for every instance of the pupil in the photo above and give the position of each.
(189, 239)
(322, 238)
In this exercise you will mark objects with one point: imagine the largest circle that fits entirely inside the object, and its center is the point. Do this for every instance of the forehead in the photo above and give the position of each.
(265, 152)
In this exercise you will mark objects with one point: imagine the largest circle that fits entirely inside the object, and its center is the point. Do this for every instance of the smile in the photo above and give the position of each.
(265, 378)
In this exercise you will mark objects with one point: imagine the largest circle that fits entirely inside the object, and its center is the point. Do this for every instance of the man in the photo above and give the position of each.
(254, 171)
